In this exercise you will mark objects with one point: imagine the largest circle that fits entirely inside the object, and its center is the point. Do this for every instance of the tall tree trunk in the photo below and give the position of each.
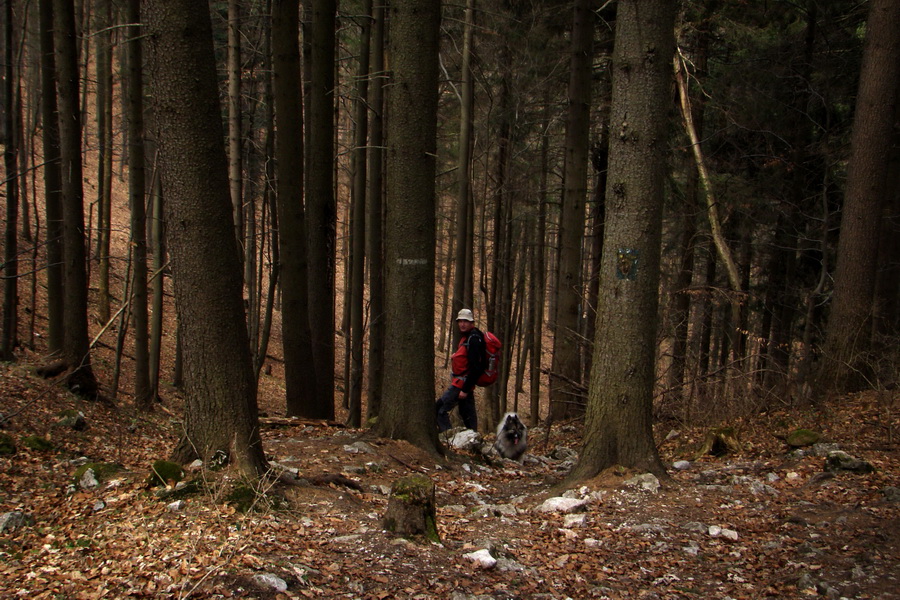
(235, 165)
(134, 104)
(600, 163)
(538, 276)
(9, 336)
(76, 352)
(409, 231)
(52, 181)
(321, 208)
(565, 377)
(299, 369)
(887, 303)
(220, 411)
(375, 245)
(268, 212)
(358, 223)
(848, 338)
(462, 278)
(157, 242)
(104, 103)
(618, 427)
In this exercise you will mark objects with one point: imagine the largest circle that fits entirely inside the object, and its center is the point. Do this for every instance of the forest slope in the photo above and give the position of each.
(765, 522)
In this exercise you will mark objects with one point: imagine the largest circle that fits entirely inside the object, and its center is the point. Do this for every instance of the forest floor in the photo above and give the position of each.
(760, 522)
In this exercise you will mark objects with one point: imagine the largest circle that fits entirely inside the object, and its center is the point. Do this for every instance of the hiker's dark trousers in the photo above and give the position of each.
(448, 401)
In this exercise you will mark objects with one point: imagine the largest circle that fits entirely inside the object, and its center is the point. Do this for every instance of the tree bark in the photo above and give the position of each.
(299, 369)
(618, 427)
(358, 224)
(321, 208)
(9, 336)
(235, 165)
(462, 278)
(220, 405)
(144, 392)
(407, 411)
(848, 339)
(104, 103)
(76, 351)
(375, 242)
(52, 181)
(566, 372)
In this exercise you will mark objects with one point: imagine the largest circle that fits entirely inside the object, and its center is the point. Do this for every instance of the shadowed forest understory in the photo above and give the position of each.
(229, 298)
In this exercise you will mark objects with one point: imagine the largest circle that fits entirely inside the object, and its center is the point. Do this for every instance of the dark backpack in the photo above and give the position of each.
(492, 346)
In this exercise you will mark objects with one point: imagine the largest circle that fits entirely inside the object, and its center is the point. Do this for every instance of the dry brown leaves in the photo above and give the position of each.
(798, 534)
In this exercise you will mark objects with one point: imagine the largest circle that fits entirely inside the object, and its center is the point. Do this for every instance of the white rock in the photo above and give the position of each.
(11, 521)
(175, 506)
(681, 465)
(482, 558)
(359, 448)
(269, 581)
(467, 439)
(562, 505)
(728, 534)
(646, 481)
(88, 480)
(574, 520)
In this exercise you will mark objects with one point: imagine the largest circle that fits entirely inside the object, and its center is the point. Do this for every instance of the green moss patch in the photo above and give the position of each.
(102, 471)
(243, 497)
(7, 445)
(71, 418)
(800, 438)
(164, 472)
(36, 442)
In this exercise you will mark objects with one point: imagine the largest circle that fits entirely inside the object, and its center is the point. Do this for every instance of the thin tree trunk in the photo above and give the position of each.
(358, 223)
(143, 389)
(76, 351)
(538, 275)
(158, 244)
(52, 182)
(235, 165)
(103, 40)
(599, 161)
(9, 336)
(321, 206)
(567, 344)
(300, 372)
(268, 211)
(715, 225)
(375, 244)
(462, 280)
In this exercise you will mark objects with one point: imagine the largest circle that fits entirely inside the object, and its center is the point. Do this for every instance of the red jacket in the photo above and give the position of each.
(469, 361)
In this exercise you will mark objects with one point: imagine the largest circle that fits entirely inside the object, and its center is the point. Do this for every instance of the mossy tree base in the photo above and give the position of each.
(411, 509)
(719, 442)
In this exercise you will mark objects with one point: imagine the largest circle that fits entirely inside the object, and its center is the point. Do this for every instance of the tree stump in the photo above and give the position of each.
(411, 508)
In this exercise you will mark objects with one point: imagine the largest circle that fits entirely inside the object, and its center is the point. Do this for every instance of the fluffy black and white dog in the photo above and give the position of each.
(512, 437)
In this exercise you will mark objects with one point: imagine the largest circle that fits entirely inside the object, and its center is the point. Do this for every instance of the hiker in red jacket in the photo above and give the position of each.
(467, 364)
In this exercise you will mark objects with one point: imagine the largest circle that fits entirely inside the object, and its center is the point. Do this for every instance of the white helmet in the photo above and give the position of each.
(465, 315)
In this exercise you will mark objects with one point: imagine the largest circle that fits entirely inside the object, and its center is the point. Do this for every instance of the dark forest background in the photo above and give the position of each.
(292, 198)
